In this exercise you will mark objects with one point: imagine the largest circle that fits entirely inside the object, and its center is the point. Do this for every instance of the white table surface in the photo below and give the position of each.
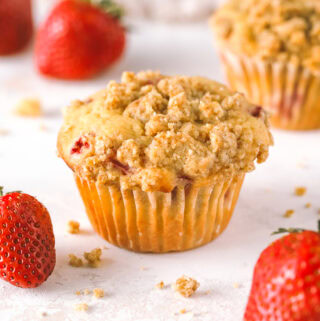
(28, 162)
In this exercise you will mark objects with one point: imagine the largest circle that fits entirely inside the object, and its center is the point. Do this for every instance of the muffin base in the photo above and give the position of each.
(188, 217)
(290, 93)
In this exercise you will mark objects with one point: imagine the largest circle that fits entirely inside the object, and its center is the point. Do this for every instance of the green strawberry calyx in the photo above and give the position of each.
(2, 193)
(282, 230)
(108, 6)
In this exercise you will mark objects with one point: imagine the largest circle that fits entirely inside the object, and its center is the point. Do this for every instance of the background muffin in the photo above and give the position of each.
(159, 161)
(271, 52)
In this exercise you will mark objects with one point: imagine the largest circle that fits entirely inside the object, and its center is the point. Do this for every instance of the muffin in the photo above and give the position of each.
(159, 161)
(271, 52)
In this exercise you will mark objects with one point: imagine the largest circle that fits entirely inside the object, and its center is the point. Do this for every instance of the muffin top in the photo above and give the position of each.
(276, 30)
(156, 132)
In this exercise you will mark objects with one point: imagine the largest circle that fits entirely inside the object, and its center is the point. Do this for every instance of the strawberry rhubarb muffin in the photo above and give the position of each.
(271, 52)
(159, 161)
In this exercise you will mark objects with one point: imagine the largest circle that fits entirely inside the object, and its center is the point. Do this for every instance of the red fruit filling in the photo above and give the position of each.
(79, 145)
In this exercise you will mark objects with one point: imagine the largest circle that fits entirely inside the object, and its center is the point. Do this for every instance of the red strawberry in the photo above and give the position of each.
(27, 245)
(15, 25)
(286, 281)
(78, 40)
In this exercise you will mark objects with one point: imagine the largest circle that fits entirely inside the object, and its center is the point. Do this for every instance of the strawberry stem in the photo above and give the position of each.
(108, 6)
(1, 191)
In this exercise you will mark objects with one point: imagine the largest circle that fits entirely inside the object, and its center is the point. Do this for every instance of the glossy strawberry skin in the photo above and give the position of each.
(286, 281)
(77, 41)
(16, 25)
(27, 244)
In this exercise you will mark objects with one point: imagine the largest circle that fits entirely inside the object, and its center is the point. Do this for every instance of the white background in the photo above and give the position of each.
(28, 162)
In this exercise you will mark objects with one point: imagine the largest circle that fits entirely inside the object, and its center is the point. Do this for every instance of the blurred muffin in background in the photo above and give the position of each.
(170, 10)
(271, 52)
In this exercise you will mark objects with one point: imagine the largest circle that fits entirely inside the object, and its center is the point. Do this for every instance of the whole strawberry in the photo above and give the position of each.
(27, 245)
(79, 39)
(286, 281)
(15, 25)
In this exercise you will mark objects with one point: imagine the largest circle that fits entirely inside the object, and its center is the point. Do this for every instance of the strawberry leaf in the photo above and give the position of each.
(1, 191)
(282, 230)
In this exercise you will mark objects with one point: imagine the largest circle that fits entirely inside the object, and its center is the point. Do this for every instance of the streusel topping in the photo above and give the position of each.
(154, 132)
(282, 30)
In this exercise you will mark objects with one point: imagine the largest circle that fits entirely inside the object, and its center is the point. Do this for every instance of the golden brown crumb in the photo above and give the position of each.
(300, 191)
(73, 227)
(75, 261)
(236, 285)
(98, 293)
(93, 257)
(308, 205)
(288, 213)
(160, 285)
(78, 293)
(182, 311)
(152, 131)
(208, 292)
(86, 291)
(186, 286)
(81, 307)
(29, 107)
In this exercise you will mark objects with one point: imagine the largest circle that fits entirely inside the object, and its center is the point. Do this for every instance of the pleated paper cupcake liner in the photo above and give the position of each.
(188, 217)
(291, 93)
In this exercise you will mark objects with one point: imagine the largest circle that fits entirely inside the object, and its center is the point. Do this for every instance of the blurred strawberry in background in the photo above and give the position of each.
(15, 25)
(79, 39)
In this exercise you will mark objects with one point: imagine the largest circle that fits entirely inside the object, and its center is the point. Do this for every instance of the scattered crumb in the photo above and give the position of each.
(98, 293)
(43, 314)
(86, 291)
(236, 285)
(308, 205)
(4, 132)
(186, 286)
(73, 227)
(78, 293)
(143, 268)
(182, 311)
(104, 247)
(75, 261)
(93, 257)
(160, 285)
(81, 307)
(300, 191)
(208, 292)
(28, 107)
(288, 213)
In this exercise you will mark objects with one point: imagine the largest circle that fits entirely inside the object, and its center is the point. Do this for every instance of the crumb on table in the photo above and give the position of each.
(73, 227)
(86, 291)
(98, 293)
(186, 286)
(236, 285)
(308, 205)
(288, 213)
(4, 132)
(93, 257)
(28, 107)
(182, 311)
(75, 261)
(81, 307)
(160, 285)
(300, 191)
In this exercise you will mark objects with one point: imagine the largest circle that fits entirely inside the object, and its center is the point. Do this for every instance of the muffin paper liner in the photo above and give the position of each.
(291, 93)
(158, 222)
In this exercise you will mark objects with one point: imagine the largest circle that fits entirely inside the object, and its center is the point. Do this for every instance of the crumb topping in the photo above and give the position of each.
(300, 191)
(73, 227)
(98, 293)
(282, 30)
(83, 307)
(160, 285)
(28, 107)
(186, 286)
(94, 257)
(75, 261)
(288, 213)
(154, 132)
